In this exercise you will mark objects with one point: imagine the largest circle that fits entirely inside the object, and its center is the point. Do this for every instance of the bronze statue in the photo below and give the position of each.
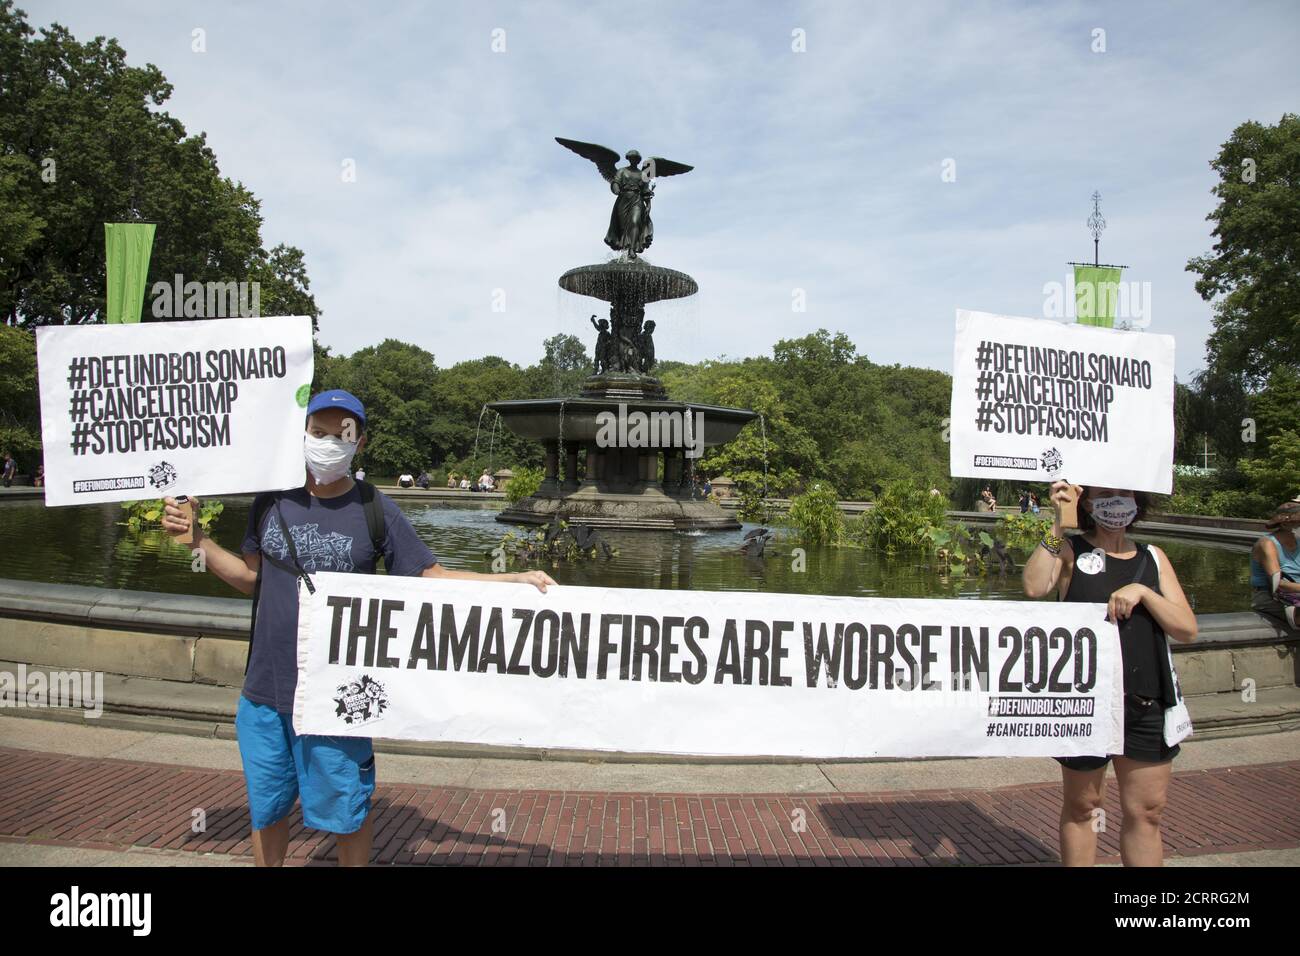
(645, 347)
(630, 227)
(601, 363)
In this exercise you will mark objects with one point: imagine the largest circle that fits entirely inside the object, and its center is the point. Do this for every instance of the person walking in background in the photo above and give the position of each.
(9, 469)
(1142, 595)
(1034, 505)
(1024, 501)
(1275, 569)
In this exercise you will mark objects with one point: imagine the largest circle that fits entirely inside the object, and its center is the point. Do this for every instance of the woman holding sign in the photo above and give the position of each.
(1138, 585)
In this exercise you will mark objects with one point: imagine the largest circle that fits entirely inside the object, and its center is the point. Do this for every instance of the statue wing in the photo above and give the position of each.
(604, 157)
(666, 167)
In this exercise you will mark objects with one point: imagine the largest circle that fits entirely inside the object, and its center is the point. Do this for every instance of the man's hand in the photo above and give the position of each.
(1124, 601)
(538, 579)
(176, 518)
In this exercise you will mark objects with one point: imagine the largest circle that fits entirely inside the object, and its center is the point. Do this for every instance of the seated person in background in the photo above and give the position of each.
(39, 480)
(451, 479)
(464, 484)
(485, 482)
(1275, 569)
(422, 479)
(405, 480)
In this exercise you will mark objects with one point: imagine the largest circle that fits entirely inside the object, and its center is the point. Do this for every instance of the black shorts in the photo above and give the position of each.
(1144, 736)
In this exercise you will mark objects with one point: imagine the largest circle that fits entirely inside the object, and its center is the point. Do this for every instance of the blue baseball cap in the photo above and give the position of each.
(337, 398)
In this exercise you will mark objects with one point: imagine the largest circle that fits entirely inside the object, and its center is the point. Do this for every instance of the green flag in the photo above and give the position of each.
(126, 255)
(1096, 292)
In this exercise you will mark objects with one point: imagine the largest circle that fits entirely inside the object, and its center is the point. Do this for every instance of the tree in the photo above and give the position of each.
(20, 423)
(1254, 270)
(393, 381)
(1275, 470)
(84, 143)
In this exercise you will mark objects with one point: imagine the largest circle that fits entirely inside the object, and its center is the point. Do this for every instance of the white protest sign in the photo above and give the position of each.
(1038, 400)
(143, 410)
(693, 672)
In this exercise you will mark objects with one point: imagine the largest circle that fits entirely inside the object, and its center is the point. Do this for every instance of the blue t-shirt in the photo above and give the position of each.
(329, 534)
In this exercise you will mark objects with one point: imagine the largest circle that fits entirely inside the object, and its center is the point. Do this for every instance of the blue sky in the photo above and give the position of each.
(816, 170)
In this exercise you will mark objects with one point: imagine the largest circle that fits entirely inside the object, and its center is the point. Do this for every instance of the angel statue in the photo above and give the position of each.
(630, 227)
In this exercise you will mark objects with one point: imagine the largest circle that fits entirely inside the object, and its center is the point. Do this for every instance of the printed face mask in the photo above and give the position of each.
(328, 458)
(1114, 514)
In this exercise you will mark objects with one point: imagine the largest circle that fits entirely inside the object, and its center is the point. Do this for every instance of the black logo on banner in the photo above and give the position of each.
(162, 475)
(1052, 462)
(360, 701)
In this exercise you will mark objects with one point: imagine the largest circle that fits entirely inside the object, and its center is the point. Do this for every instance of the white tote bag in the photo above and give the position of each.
(1178, 720)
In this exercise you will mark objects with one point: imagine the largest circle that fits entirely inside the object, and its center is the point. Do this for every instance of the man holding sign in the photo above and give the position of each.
(332, 523)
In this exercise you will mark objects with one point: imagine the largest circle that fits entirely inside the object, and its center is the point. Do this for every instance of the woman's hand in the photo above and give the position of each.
(1123, 602)
(538, 579)
(1062, 494)
(176, 518)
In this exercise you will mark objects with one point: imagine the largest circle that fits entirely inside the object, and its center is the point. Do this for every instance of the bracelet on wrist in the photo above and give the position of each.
(1051, 543)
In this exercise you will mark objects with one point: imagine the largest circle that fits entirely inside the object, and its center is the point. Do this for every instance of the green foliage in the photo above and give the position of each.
(1023, 531)
(86, 142)
(904, 515)
(20, 421)
(753, 506)
(816, 515)
(525, 482)
(146, 515)
(1225, 492)
(1253, 275)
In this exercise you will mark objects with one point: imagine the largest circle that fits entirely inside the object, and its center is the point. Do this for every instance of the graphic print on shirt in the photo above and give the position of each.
(317, 552)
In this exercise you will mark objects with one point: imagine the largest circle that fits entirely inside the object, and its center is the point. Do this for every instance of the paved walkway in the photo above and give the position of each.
(106, 804)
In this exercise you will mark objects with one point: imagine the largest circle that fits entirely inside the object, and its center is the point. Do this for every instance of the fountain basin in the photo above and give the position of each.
(631, 280)
(614, 477)
(540, 419)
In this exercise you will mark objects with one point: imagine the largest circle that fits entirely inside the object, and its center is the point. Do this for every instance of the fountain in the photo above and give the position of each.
(637, 447)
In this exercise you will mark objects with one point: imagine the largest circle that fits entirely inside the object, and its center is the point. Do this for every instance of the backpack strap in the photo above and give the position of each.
(262, 505)
(373, 506)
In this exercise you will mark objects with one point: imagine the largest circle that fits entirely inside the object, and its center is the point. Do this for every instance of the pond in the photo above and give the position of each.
(89, 545)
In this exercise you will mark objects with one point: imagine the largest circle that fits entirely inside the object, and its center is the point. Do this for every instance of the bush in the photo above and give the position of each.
(905, 515)
(1023, 531)
(816, 515)
(147, 514)
(525, 482)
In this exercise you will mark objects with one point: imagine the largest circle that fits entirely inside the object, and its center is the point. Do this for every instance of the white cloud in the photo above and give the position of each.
(818, 170)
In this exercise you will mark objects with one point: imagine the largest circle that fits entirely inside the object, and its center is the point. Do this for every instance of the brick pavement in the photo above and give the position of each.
(114, 804)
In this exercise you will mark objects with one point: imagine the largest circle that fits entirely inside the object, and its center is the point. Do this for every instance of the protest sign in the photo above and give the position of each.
(169, 408)
(1037, 400)
(691, 672)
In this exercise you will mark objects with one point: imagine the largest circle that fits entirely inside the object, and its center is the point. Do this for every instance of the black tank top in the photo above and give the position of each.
(1141, 639)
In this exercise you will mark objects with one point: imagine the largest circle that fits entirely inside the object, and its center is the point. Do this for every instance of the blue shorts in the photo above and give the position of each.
(334, 776)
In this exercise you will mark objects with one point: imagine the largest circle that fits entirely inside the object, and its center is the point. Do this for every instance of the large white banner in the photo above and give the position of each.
(693, 672)
(1038, 400)
(142, 410)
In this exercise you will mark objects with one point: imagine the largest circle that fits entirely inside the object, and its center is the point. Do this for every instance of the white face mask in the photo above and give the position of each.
(328, 458)
(1116, 513)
